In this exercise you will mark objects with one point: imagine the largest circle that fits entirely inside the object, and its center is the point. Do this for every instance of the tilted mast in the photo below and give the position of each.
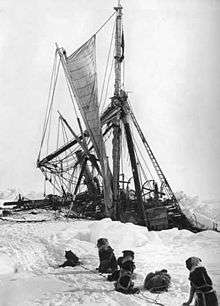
(118, 45)
(116, 142)
(92, 160)
(120, 99)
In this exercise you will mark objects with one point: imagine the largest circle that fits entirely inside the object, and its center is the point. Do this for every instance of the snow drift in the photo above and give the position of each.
(29, 253)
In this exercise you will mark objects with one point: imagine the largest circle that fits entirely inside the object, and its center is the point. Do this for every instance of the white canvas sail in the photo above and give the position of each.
(81, 67)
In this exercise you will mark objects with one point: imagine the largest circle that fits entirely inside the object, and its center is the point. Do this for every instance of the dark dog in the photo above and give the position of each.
(127, 255)
(124, 283)
(158, 281)
(71, 260)
(108, 262)
(201, 284)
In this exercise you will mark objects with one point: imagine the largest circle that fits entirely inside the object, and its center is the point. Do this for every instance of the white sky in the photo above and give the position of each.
(173, 73)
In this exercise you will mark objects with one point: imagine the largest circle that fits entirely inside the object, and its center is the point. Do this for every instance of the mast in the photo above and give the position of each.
(116, 142)
(118, 44)
(120, 98)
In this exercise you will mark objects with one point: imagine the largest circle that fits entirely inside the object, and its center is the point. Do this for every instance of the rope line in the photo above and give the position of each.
(107, 86)
(148, 299)
(141, 154)
(81, 265)
(139, 295)
(53, 77)
(107, 65)
(104, 23)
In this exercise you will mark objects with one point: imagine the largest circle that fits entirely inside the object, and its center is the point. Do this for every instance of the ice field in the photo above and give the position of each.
(30, 251)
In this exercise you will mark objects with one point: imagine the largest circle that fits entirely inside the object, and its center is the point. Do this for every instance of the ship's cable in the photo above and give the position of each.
(104, 24)
(53, 82)
(107, 65)
(106, 92)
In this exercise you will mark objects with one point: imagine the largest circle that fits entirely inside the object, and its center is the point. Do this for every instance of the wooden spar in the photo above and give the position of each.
(56, 153)
(138, 192)
(77, 187)
(81, 143)
(116, 142)
(62, 149)
(86, 173)
(118, 41)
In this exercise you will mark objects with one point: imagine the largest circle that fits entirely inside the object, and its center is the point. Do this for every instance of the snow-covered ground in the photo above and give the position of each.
(30, 251)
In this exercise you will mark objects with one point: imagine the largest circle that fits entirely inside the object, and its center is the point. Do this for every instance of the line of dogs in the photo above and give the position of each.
(121, 270)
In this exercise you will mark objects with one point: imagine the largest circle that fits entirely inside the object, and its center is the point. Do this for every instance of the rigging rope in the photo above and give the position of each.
(69, 167)
(50, 90)
(53, 82)
(107, 64)
(58, 136)
(106, 92)
(148, 299)
(136, 146)
(104, 24)
(123, 65)
(48, 135)
(58, 133)
(45, 181)
(139, 149)
(68, 79)
(123, 74)
(121, 152)
(71, 94)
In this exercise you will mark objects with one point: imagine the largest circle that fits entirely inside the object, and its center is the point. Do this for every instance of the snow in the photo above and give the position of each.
(204, 215)
(8, 195)
(30, 252)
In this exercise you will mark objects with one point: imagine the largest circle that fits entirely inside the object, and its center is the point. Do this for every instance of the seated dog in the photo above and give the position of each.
(127, 255)
(71, 260)
(124, 283)
(108, 263)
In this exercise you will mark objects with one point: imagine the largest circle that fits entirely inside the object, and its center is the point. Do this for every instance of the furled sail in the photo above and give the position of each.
(81, 67)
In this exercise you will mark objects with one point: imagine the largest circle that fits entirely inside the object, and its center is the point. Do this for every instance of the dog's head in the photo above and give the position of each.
(69, 254)
(102, 242)
(128, 266)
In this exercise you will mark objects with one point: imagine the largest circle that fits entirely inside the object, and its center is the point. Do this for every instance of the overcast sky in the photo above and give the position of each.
(172, 71)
